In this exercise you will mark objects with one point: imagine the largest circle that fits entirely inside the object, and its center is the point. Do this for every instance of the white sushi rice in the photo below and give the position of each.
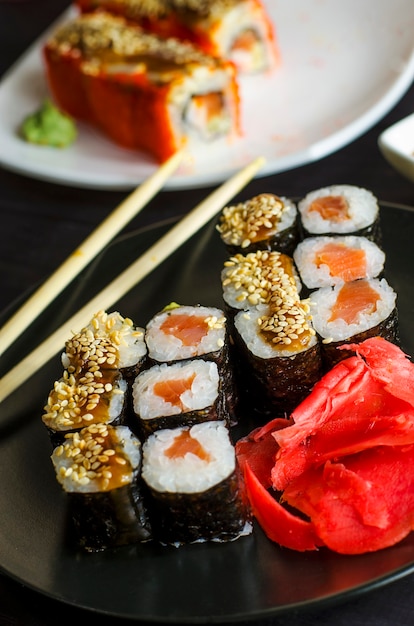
(188, 473)
(202, 394)
(322, 301)
(164, 347)
(363, 210)
(247, 325)
(83, 481)
(315, 276)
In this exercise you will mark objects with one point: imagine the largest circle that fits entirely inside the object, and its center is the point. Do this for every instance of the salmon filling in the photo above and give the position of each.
(343, 262)
(190, 329)
(184, 444)
(172, 390)
(354, 298)
(332, 208)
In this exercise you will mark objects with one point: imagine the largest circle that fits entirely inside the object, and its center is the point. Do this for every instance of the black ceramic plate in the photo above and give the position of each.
(246, 579)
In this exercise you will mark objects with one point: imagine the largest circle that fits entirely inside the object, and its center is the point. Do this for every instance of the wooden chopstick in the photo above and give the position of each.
(94, 244)
(140, 268)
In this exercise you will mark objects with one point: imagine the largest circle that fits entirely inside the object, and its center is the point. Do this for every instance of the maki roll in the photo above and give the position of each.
(109, 341)
(98, 397)
(180, 332)
(352, 312)
(341, 210)
(329, 260)
(99, 470)
(177, 394)
(264, 222)
(184, 331)
(195, 489)
(280, 357)
(144, 92)
(237, 30)
(249, 280)
(99, 363)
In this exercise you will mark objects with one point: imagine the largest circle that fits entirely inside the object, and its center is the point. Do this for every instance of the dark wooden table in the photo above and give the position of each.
(43, 222)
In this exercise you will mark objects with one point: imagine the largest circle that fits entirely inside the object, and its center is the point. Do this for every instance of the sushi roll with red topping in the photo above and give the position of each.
(144, 92)
(195, 489)
(341, 210)
(264, 222)
(99, 469)
(237, 30)
(352, 312)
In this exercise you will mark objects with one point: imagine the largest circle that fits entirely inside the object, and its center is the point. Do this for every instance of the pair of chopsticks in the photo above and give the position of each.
(140, 268)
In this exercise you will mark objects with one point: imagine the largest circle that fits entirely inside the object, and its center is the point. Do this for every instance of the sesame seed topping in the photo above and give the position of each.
(247, 222)
(103, 39)
(95, 453)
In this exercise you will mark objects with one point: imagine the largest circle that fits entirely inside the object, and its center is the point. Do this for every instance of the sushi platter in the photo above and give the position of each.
(149, 581)
(320, 45)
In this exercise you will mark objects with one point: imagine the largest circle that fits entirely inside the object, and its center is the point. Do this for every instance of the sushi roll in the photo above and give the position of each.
(330, 260)
(99, 469)
(341, 210)
(249, 280)
(237, 30)
(195, 489)
(181, 332)
(352, 312)
(98, 397)
(264, 222)
(177, 394)
(144, 92)
(109, 341)
(280, 357)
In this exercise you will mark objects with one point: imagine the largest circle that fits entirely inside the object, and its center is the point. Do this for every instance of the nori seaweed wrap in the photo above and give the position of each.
(196, 490)
(99, 470)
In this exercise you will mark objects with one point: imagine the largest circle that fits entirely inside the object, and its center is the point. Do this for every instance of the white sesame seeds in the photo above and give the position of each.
(254, 220)
(93, 454)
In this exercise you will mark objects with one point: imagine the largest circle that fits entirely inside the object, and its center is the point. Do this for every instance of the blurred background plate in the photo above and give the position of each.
(345, 65)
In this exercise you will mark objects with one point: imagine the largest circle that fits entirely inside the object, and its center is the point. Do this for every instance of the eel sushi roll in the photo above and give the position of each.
(341, 210)
(177, 394)
(181, 332)
(330, 260)
(196, 493)
(144, 92)
(352, 312)
(109, 341)
(264, 222)
(237, 30)
(99, 468)
(249, 280)
(280, 357)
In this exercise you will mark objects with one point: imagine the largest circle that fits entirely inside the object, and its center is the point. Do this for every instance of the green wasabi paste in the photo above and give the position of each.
(49, 127)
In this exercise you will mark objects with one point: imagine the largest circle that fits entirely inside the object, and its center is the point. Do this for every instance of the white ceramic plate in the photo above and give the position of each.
(345, 65)
(397, 146)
